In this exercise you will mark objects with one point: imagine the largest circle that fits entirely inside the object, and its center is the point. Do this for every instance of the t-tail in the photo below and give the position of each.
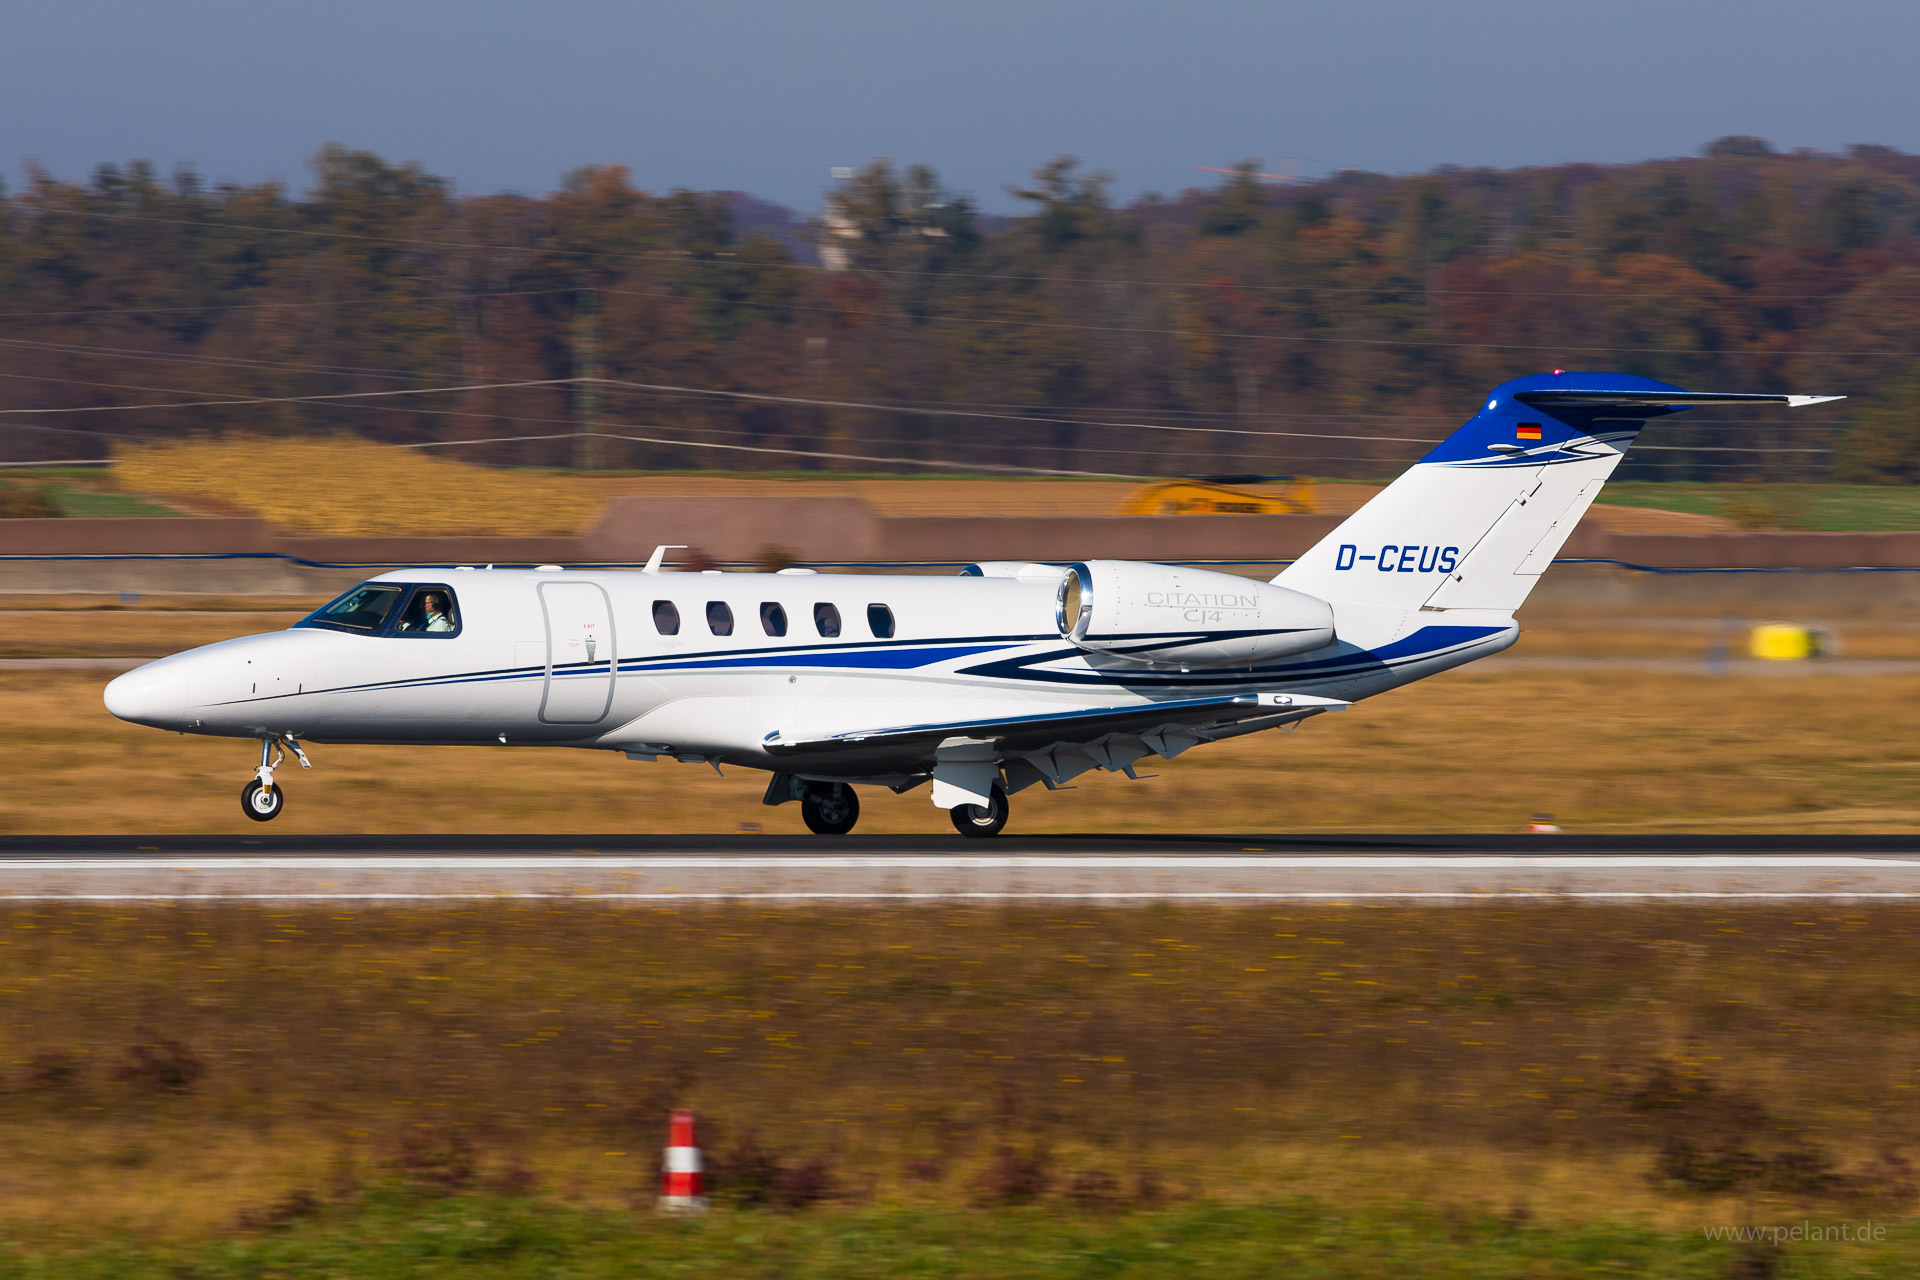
(1475, 523)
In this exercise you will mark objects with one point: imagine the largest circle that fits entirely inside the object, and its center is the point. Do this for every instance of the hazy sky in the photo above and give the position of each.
(766, 95)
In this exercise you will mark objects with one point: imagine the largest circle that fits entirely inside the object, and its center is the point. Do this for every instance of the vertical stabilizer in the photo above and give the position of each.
(1475, 523)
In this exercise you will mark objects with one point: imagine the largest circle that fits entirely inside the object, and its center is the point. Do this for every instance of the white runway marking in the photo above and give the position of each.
(904, 878)
(983, 862)
(722, 896)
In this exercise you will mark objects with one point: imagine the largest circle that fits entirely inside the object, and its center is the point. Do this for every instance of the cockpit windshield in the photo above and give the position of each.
(431, 610)
(391, 608)
(365, 608)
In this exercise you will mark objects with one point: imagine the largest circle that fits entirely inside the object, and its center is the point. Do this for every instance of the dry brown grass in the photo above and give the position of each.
(347, 486)
(79, 633)
(1691, 639)
(1497, 1056)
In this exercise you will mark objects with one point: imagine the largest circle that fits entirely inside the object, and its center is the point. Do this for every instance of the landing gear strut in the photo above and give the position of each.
(260, 799)
(830, 808)
(980, 821)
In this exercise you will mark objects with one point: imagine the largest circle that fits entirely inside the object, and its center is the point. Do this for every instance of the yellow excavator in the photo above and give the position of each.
(1217, 495)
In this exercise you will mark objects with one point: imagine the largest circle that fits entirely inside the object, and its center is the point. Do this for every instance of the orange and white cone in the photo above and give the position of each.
(682, 1188)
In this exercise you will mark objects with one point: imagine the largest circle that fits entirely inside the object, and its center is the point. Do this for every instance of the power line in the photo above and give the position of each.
(314, 399)
(973, 413)
(358, 396)
(189, 358)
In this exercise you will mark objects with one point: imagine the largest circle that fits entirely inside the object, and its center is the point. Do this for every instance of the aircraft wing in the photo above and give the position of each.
(1036, 732)
(1627, 402)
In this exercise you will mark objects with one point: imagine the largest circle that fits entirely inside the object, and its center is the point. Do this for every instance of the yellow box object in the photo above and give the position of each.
(1780, 643)
(1209, 497)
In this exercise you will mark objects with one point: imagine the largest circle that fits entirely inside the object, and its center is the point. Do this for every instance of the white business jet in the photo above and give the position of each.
(1004, 677)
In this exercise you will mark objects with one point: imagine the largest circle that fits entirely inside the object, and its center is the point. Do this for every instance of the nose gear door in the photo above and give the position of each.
(581, 654)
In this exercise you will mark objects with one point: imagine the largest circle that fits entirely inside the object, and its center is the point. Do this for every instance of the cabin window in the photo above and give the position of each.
(773, 618)
(666, 617)
(826, 620)
(719, 618)
(430, 611)
(880, 621)
(365, 609)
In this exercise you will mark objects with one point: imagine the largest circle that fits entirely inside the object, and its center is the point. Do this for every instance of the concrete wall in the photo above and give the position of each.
(162, 536)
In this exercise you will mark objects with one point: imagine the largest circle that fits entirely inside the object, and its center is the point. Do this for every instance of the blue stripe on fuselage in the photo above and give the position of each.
(872, 659)
(1425, 643)
(881, 657)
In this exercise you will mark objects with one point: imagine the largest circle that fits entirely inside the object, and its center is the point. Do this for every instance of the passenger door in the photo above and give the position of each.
(581, 655)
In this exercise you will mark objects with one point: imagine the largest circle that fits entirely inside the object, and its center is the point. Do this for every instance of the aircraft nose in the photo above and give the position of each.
(149, 695)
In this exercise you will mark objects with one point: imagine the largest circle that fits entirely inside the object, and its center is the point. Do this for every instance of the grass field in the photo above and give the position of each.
(394, 1234)
(1336, 1091)
(400, 491)
(1822, 508)
(1363, 1090)
(403, 492)
(73, 492)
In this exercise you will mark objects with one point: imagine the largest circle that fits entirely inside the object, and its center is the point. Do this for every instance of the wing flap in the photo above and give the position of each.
(1034, 731)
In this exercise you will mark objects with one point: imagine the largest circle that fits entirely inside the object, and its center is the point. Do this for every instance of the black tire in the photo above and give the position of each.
(978, 822)
(830, 810)
(261, 803)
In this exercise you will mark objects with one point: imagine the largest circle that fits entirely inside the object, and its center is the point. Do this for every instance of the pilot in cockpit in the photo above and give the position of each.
(428, 612)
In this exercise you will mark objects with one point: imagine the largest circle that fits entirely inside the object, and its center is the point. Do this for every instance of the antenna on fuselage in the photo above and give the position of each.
(659, 556)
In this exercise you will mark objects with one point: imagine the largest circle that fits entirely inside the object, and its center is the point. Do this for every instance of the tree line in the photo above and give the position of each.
(1328, 327)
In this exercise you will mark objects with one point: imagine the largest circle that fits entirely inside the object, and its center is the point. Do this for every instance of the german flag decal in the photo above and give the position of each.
(1527, 431)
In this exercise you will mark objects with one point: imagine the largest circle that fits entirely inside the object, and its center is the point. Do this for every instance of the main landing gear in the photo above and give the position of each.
(980, 821)
(260, 799)
(830, 808)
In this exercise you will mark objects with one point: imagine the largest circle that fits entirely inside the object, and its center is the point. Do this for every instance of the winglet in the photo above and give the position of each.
(659, 556)
(1794, 402)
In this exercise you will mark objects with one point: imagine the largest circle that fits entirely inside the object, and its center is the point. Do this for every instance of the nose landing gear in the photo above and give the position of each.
(260, 799)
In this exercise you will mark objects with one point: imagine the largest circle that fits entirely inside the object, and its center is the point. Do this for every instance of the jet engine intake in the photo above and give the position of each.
(1166, 615)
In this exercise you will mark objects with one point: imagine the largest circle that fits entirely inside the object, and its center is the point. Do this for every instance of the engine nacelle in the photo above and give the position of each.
(1170, 616)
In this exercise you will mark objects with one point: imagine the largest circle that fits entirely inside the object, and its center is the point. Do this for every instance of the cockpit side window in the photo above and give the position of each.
(429, 611)
(364, 609)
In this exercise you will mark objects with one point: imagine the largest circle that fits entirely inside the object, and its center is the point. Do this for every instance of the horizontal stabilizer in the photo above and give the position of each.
(1630, 403)
(1020, 733)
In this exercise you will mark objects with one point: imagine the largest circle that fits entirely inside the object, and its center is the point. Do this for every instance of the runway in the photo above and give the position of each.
(1109, 870)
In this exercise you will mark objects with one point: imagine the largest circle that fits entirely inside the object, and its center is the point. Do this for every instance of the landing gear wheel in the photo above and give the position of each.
(830, 810)
(261, 802)
(981, 821)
